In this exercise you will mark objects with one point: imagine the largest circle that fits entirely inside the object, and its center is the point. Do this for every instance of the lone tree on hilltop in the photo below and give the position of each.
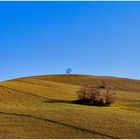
(68, 71)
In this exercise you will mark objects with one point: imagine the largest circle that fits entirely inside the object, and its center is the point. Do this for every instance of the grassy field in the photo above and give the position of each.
(40, 107)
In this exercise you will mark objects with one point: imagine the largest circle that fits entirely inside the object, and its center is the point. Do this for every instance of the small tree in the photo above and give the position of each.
(100, 95)
(68, 71)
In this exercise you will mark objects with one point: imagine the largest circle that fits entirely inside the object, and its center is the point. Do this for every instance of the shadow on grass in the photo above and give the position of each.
(60, 101)
(76, 102)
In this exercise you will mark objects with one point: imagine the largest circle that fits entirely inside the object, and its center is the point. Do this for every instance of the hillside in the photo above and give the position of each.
(40, 107)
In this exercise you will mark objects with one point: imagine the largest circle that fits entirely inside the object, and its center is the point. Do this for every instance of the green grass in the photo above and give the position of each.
(41, 107)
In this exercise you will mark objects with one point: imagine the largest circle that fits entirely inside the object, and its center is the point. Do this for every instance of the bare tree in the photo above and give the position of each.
(100, 95)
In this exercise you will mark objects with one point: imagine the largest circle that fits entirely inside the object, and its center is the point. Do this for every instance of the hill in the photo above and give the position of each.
(41, 107)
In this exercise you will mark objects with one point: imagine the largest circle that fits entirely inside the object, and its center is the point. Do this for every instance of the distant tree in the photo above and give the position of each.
(68, 71)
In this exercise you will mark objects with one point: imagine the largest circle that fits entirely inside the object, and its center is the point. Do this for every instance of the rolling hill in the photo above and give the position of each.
(41, 107)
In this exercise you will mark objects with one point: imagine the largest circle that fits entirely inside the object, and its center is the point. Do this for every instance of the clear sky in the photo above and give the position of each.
(99, 38)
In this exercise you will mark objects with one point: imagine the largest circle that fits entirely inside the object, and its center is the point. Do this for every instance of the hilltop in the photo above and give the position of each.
(40, 107)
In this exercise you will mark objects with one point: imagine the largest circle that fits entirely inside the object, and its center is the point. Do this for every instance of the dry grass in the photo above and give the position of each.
(41, 107)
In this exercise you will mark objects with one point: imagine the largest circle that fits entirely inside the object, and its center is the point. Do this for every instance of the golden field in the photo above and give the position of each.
(41, 107)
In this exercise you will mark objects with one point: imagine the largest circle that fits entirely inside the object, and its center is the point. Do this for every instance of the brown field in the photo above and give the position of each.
(41, 107)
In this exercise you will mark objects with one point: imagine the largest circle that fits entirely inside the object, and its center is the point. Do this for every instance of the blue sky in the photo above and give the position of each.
(99, 38)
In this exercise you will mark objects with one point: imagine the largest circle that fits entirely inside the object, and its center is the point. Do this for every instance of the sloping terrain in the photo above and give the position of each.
(41, 107)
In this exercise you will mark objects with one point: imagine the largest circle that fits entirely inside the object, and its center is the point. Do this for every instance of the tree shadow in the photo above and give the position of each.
(76, 102)
(59, 101)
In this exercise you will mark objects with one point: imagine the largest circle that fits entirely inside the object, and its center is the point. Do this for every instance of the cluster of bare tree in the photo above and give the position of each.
(100, 95)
